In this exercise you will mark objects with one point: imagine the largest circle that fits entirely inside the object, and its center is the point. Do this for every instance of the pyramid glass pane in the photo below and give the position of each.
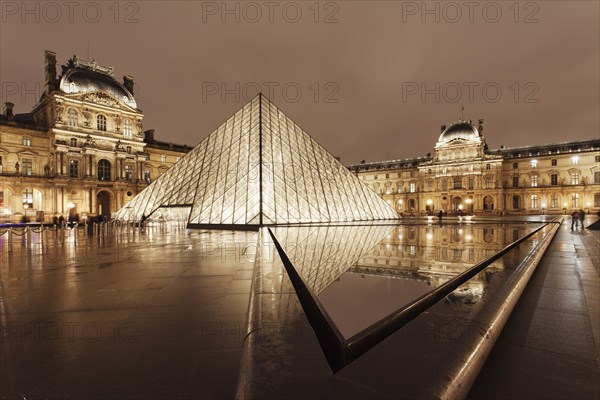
(260, 167)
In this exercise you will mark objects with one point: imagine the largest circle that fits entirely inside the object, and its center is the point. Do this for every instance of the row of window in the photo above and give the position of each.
(104, 169)
(554, 201)
(73, 122)
(575, 179)
(470, 168)
(554, 162)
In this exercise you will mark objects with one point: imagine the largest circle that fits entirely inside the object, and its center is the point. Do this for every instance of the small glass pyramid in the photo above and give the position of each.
(260, 168)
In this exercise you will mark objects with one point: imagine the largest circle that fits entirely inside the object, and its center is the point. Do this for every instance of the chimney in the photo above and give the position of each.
(7, 109)
(128, 83)
(149, 136)
(480, 126)
(442, 128)
(50, 69)
(362, 161)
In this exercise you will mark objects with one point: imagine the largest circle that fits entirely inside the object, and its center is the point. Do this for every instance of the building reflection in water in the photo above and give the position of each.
(361, 274)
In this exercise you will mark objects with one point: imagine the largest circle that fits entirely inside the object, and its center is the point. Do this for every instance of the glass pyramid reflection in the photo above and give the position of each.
(260, 168)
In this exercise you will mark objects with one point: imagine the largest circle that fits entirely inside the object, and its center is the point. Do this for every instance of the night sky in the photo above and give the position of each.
(368, 80)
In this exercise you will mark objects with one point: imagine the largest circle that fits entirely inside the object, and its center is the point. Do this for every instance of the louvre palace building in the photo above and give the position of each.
(82, 150)
(465, 176)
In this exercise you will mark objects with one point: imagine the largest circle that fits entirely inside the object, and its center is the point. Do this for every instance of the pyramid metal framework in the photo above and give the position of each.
(260, 168)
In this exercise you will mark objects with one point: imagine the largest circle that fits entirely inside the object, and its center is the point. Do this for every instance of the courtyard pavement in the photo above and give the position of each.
(163, 316)
(550, 347)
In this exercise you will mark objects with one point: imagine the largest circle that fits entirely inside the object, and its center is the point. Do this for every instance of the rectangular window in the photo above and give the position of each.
(575, 200)
(26, 167)
(457, 183)
(516, 202)
(28, 198)
(471, 183)
(1, 199)
(597, 200)
(127, 131)
(147, 176)
(554, 201)
(26, 141)
(596, 175)
(554, 179)
(413, 187)
(444, 185)
(554, 162)
(597, 158)
(128, 172)
(515, 165)
(534, 163)
(0, 165)
(74, 169)
(515, 182)
(575, 178)
(534, 201)
(534, 181)
(163, 158)
(72, 118)
(575, 160)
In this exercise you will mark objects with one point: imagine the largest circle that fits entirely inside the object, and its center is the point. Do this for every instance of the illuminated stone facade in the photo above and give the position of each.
(464, 176)
(81, 150)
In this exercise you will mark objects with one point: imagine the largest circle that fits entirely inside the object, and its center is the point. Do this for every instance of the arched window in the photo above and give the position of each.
(488, 203)
(127, 130)
(101, 122)
(72, 118)
(104, 170)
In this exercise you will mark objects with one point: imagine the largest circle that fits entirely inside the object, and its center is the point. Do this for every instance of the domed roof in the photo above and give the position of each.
(81, 80)
(460, 130)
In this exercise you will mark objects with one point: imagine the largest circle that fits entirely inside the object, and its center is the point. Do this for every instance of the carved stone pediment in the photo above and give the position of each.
(101, 98)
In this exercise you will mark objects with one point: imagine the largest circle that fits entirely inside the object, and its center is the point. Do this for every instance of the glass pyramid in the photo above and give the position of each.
(260, 168)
